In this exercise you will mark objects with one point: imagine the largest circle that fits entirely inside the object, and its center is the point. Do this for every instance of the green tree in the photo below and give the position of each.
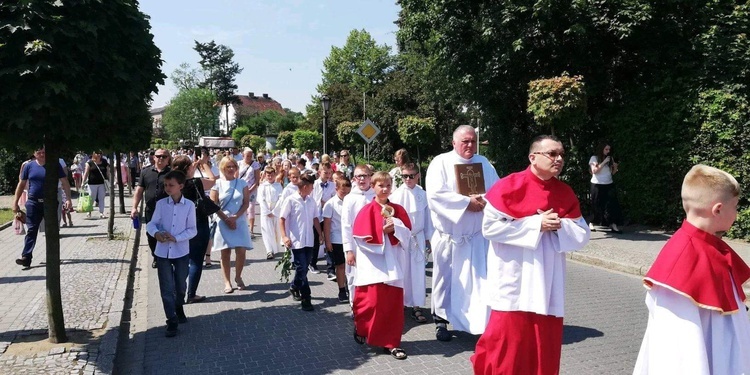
(253, 141)
(67, 66)
(285, 140)
(558, 102)
(360, 63)
(192, 113)
(347, 134)
(221, 71)
(185, 77)
(417, 133)
(307, 140)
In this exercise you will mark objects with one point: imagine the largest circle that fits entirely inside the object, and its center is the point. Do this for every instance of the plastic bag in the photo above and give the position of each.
(85, 203)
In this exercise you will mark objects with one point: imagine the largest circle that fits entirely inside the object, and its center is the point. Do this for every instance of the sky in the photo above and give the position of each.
(280, 44)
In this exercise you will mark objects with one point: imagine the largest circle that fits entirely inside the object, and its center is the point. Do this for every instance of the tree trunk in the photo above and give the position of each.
(55, 316)
(121, 188)
(111, 218)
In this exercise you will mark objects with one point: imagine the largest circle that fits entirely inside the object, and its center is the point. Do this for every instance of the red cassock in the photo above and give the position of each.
(522, 342)
(378, 308)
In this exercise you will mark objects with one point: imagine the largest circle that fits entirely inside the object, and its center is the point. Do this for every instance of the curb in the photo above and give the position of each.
(6, 225)
(105, 362)
(608, 264)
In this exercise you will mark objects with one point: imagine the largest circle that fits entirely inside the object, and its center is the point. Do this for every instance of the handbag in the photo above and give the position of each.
(85, 204)
(204, 207)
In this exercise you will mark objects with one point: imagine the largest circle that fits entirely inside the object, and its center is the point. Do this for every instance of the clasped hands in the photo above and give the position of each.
(550, 220)
(476, 203)
(231, 221)
(164, 236)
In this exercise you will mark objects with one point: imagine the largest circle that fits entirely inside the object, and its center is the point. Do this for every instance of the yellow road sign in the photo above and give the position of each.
(368, 131)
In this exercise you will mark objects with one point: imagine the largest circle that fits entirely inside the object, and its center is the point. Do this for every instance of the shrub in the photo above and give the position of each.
(558, 102)
(10, 164)
(238, 133)
(307, 140)
(284, 141)
(257, 143)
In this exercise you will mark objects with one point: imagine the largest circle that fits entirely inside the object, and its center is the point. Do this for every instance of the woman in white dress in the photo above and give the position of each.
(232, 195)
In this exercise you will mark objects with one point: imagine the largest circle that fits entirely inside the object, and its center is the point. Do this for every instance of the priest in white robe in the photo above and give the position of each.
(458, 249)
(532, 219)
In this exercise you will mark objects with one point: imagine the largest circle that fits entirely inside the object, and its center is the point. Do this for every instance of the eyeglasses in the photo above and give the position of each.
(161, 156)
(409, 176)
(361, 176)
(551, 154)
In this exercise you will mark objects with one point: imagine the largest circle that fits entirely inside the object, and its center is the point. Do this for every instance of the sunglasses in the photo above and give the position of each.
(409, 176)
(344, 155)
(161, 156)
(552, 154)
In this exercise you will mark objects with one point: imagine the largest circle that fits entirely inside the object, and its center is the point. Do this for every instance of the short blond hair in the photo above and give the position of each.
(704, 186)
(227, 160)
(380, 176)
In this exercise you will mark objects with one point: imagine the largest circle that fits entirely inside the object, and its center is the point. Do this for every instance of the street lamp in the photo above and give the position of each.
(326, 106)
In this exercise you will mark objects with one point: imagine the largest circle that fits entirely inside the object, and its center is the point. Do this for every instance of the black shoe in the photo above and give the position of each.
(307, 305)
(313, 269)
(343, 298)
(331, 277)
(171, 328)
(181, 317)
(24, 261)
(441, 333)
(153, 264)
(295, 294)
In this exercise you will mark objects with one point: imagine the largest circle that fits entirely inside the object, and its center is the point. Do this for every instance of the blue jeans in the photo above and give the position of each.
(198, 246)
(172, 283)
(34, 216)
(301, 262)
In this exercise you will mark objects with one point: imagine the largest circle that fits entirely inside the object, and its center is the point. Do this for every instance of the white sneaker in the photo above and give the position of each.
(591, 227)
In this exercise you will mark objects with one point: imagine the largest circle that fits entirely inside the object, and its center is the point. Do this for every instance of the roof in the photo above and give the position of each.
(256, 104)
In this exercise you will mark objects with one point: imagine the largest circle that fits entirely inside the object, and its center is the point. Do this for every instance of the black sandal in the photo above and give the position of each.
(397, 353)
(417, 315)
(359, 339)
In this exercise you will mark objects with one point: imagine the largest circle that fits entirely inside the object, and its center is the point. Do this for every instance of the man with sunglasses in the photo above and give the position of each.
(531, 221)
(151, 187)
(459, 251)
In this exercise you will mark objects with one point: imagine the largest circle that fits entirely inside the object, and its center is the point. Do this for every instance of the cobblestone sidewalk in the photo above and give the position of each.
(94, 274)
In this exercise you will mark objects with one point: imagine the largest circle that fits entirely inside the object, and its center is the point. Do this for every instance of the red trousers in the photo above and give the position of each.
(379, 314)
(519, 342)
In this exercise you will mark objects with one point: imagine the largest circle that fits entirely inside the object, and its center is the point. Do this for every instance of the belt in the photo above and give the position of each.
(37, 200)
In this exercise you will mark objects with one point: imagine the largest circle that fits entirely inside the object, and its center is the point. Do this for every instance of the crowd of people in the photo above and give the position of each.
(498, 245)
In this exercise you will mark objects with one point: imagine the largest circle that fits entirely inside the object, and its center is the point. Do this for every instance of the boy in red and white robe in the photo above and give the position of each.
(697, 323)
(531, 221)
(379, 230)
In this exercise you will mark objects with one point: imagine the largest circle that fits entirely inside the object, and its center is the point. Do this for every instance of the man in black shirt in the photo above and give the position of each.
(151, 187)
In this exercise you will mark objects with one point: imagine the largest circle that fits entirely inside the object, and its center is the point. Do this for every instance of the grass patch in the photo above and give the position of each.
(6, 215)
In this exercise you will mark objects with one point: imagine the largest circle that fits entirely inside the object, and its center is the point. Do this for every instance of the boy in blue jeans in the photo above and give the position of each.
(173, 225)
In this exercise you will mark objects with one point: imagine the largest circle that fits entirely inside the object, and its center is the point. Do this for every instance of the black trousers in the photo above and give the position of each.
(604, 205)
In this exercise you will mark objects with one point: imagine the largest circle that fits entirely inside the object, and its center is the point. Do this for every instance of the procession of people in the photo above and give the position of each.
(497, 245)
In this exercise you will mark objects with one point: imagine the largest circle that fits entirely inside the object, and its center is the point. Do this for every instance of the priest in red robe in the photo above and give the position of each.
(531, 221)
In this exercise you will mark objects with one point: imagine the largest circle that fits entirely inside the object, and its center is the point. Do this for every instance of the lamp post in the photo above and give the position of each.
(326, 106)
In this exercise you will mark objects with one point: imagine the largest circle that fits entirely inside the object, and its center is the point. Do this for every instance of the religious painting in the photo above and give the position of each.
(469, 179)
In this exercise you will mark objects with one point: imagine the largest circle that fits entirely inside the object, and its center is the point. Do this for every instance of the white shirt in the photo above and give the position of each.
(178, 219)
(332, 210)
(299, 215)
(322, 195)
(604, 176)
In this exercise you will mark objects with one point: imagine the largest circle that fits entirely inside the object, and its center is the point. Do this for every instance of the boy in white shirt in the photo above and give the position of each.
(332, 228)
(296, 214)
(173, 225)
(324, 190)
(268, 198)
(414, 200)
